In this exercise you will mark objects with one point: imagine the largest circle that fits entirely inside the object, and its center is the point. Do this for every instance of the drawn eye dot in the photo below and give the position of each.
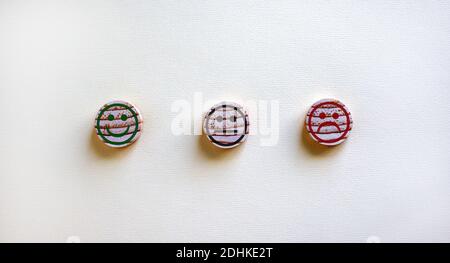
(233, 118)
(111, 117)
(219, 118)
(322, 115)
(123, 117)
(335, 115)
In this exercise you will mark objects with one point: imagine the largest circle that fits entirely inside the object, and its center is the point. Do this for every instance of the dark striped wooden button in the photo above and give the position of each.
(226, 125)
(118, 124)
(329, 122)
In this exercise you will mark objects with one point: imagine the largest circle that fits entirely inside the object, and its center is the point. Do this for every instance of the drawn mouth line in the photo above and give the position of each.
(329, 123)
(117, 134)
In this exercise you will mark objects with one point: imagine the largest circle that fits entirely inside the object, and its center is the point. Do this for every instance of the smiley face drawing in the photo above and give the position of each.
(226, 125)
(118, 124)
(329, 122)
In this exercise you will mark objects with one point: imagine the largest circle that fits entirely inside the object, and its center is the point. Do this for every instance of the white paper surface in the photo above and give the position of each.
(388, 61)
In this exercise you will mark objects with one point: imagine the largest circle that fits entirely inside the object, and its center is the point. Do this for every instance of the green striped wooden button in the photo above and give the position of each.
(118, 123)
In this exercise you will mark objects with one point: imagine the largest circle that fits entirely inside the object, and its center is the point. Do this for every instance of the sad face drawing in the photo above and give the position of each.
(118, 124)
(329, 122)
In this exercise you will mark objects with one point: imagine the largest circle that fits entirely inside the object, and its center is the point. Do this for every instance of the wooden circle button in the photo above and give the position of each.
(118, 124)
(226, 125)
(329, 122)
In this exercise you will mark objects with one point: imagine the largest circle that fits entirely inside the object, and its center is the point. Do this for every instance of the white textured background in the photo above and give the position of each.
(389, 61)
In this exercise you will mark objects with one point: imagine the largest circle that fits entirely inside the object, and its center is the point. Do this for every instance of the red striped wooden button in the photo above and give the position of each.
(226, 125)
(329, 122)
(118, 124)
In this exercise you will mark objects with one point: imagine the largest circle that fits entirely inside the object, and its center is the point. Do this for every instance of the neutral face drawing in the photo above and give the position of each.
(226, 125)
